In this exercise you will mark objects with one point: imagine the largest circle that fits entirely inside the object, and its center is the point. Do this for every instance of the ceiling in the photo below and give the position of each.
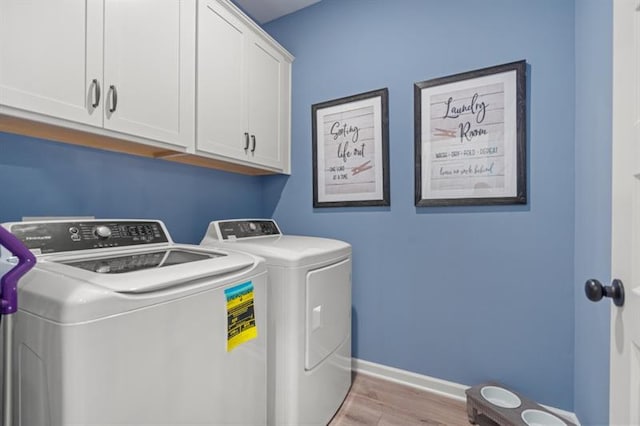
(264, 11)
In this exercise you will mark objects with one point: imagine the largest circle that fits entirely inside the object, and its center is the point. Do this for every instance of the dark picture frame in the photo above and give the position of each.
(470, 138)
(350, 144)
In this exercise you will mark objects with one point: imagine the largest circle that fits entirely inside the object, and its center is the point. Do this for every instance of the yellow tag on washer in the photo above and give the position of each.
(241, 317)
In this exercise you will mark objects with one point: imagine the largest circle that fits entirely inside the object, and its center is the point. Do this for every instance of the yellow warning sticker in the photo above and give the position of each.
(241, 318)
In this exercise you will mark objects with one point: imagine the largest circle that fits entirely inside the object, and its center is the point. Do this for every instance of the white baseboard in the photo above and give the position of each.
(429, 384)
(404, 377)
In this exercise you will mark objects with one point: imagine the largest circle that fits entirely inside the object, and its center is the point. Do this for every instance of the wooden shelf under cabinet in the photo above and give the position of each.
(51, 132)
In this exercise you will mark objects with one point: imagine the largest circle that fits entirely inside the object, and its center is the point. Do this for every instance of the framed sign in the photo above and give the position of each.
(351, 151)
(470, 138)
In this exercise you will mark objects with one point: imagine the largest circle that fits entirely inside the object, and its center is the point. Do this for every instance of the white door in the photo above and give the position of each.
(222, 126)
(265, 101)
(51, 58)
(624, 407)
(149, 69)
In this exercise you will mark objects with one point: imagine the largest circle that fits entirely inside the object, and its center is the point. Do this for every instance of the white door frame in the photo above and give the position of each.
(624, 395)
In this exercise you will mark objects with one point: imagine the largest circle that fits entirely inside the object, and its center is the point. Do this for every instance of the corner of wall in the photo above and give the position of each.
(592, 241)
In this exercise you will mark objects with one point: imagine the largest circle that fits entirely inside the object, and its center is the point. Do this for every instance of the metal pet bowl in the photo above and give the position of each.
(500, 397)
(540, 418)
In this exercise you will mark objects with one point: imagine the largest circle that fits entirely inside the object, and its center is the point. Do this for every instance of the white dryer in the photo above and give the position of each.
(118, 325)
(309, 341)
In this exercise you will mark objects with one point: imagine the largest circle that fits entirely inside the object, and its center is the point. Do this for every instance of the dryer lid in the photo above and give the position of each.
(287, 250)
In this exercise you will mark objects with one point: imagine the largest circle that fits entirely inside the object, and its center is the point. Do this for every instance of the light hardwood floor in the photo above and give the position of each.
(373, 401)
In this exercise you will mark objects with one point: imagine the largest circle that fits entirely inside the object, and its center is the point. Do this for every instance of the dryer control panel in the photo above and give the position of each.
(244, 228)
(54, 236)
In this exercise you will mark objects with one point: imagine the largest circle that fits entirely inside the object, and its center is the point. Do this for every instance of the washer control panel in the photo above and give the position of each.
(245, 228)
(53, 237)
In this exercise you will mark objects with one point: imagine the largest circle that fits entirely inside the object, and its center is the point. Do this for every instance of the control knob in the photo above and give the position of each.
(103, 232)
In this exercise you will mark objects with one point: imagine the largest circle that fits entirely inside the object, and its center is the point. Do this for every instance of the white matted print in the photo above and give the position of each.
(350, 151)
(470, 138)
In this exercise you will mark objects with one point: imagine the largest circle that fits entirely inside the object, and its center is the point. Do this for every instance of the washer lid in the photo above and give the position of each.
(142, 271)
(124, 263)
(287, 250)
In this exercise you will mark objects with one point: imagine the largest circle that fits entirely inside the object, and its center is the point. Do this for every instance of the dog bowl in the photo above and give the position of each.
(500, 397)
(540, 418)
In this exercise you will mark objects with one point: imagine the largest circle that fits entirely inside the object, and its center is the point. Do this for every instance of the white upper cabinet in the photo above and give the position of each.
(50, 56)
(243, 90)
(53, 53)
(149, 69)
(221, 99)
(130, 71)
(268, 100)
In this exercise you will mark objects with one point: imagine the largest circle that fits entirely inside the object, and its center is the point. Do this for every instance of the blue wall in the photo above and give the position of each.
(463, 294)
(594, 26)
(42, 178)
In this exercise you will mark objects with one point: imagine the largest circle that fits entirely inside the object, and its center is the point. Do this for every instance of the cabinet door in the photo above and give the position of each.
(149, 63)
(50, 54)
(222, 127)
(266, 103)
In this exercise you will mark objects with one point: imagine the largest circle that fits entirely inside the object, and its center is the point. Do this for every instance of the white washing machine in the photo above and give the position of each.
(309, 342)
(117, 325)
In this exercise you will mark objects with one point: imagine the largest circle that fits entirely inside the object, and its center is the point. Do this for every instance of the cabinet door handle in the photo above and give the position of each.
(114, 98)
(96, 93)
(253, 140)
(246, 141)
